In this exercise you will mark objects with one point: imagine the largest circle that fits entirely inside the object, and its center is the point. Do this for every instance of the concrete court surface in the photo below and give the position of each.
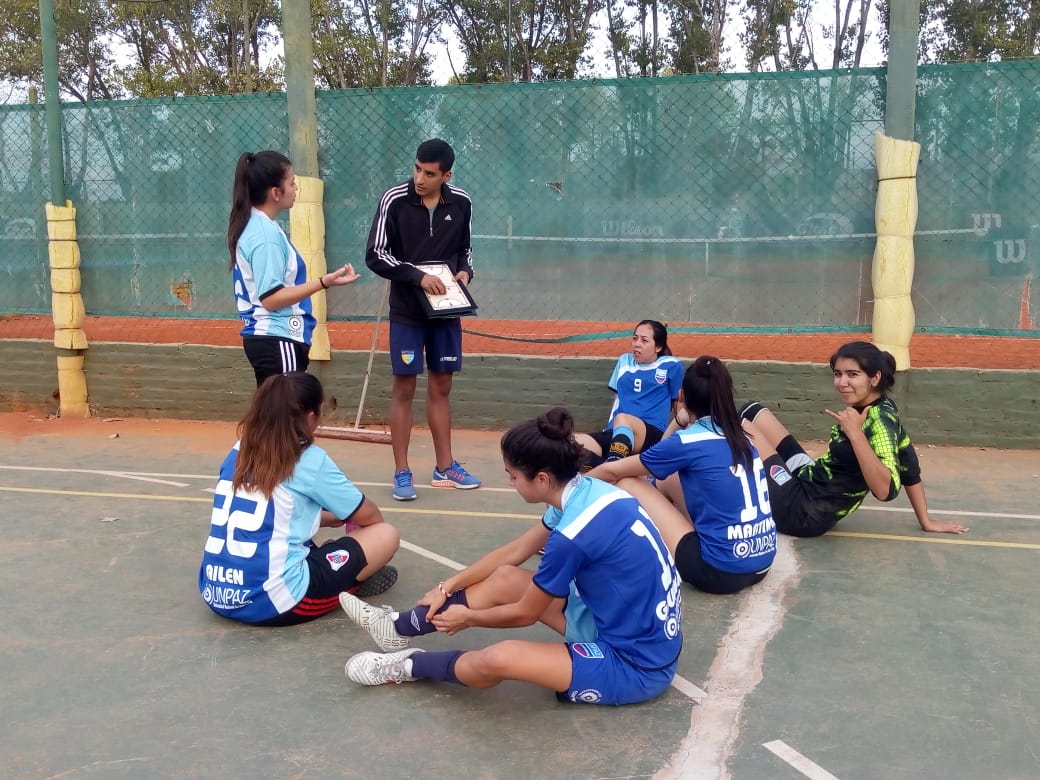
(874, 652)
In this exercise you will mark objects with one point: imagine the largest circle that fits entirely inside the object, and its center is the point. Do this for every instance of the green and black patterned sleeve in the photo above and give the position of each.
(884, 434)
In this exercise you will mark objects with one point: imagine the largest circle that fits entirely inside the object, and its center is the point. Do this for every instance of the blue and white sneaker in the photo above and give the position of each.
(454, 477)
(404, 490)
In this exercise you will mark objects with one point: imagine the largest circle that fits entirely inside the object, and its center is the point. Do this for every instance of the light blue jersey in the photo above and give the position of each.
(254, 567)
(605, 550)
(265, 261)
(646, 390)
(728, 505)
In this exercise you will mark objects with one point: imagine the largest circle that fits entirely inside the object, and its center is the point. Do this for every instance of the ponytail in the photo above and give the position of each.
(708, 392)
(275, 430)
(255, 174)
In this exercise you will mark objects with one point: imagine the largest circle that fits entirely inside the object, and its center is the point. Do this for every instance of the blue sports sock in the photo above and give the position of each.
(438, 666)
(622, 443)
(414, 622)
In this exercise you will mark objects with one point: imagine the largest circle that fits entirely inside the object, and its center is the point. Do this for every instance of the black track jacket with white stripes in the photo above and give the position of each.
(404, 235)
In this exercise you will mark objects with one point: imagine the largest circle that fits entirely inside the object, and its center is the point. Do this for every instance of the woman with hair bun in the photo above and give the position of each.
(869, 451)
(713, 508)
(606, 582)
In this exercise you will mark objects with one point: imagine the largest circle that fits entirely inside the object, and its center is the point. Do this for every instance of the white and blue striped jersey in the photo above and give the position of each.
(605, 551)
(266, 261)
(254, 565)
(646, 390)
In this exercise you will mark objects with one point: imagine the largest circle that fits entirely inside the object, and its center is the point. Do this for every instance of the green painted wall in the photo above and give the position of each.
(958, 406)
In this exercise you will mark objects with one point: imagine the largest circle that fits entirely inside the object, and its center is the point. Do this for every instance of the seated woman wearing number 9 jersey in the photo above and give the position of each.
(276, 489)
(713, 476)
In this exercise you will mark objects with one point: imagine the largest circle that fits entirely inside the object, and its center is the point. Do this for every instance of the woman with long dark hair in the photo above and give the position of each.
(646, 383)
(605, 582)
(869, 451)
(713, 508)
(271, 286)
(276, 489)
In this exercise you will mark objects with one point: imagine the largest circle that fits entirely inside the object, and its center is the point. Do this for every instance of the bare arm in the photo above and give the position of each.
(612, 471)
(524, 612)
(511, 553)
(920, 504)
(287, 296)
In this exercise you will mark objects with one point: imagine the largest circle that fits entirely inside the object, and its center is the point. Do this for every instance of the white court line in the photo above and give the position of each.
(680, 683)
(951, 512)
(432, 556)
(683, 685)
(737, 668)
(785, 752)
(122, 474)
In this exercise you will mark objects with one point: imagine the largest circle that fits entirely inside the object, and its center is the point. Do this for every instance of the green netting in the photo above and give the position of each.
(731, 200)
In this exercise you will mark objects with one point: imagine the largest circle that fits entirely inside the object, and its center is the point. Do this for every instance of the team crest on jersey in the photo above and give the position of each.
(407, 357)
(338, 559)
(587, 650)
(779, 475)
(661, 376)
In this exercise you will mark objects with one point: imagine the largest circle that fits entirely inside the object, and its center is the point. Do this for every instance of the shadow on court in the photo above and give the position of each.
(874, 652)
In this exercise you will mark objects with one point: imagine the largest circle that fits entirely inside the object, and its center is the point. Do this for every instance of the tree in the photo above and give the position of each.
(358, 43)
(548, 39)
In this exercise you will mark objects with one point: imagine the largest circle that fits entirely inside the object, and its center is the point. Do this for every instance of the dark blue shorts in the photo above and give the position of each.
(600, 676)
(441, 342)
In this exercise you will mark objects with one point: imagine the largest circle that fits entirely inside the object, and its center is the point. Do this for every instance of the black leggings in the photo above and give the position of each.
(703, 576)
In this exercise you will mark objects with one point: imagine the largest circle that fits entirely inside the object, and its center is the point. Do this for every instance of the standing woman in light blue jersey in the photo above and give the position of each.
(724, 540)
(646, 382)
(276, 489)
(606, 582)
(271, 287)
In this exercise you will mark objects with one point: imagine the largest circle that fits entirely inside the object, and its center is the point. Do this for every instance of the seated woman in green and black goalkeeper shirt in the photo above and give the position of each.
(869, 451)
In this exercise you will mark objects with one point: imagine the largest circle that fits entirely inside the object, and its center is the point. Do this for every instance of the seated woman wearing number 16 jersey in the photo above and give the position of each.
(712, 506)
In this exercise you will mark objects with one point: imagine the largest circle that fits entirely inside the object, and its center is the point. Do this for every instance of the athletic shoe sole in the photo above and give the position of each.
(403, 498)
(447, 483)
(379, 582)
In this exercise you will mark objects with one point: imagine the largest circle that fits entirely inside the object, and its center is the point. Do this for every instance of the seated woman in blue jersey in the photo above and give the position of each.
(646, 382)
(711, 506)
(276, 488)
(868, 452)
(622, 634)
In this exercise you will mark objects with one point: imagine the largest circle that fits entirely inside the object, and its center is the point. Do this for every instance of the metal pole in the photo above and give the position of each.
(52, 98)
(901, 79)
(509, 40)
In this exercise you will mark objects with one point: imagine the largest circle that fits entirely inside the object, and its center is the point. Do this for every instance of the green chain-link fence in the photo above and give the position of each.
(730, 200)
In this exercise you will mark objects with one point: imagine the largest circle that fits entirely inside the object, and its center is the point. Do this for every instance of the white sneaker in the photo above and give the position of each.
(380, 668)
(377, 621)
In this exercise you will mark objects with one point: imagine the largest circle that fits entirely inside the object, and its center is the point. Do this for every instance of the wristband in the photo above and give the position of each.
(446, 593)
(321, 281)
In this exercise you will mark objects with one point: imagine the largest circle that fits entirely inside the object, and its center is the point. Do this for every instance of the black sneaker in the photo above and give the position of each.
(379, 582)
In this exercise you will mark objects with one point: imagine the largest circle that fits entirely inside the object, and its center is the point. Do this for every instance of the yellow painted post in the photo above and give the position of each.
(67, 309)
(892, 272)
(307, 229)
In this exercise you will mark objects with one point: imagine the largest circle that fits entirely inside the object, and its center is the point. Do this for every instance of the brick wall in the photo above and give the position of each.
(960, 406)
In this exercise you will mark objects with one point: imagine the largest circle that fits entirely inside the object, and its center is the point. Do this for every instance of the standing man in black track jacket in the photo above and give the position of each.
(423, 220)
